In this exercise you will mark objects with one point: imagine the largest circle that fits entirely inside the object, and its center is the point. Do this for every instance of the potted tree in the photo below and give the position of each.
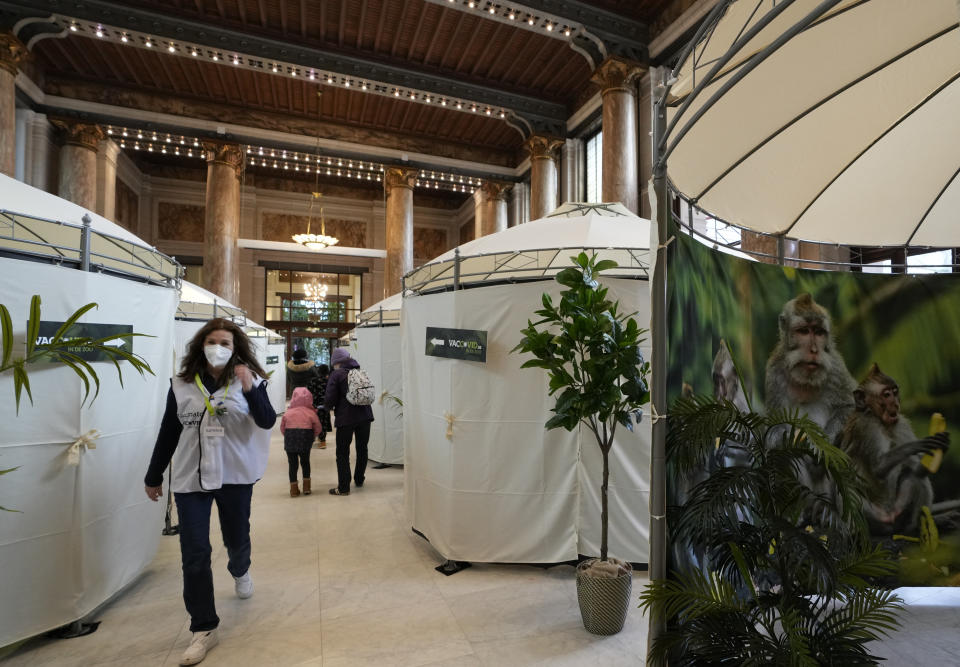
(591, 353)
(767, 570)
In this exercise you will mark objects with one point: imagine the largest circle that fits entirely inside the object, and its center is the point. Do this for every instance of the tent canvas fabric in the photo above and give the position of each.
(81, 532)
(501, 488)
(378, 350)
(845, 134)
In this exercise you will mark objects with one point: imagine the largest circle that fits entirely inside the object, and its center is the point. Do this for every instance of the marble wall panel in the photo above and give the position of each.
(467, 232)
(282, 226)
(180, 222)
(428, 242)
(127, 210)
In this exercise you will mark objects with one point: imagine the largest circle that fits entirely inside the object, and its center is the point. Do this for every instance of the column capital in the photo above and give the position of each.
(230, 155)
(399, 177)
(496, 190)
(616, 73)
(12, 53)
(77, 133)
(543, 147)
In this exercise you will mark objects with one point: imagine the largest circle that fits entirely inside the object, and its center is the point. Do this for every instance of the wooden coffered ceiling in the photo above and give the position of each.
(439, 53)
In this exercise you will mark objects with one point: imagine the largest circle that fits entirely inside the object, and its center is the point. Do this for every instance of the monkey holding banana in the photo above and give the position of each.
(885, 450)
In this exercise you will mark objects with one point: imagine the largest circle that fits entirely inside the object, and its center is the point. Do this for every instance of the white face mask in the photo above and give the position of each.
(217, 355)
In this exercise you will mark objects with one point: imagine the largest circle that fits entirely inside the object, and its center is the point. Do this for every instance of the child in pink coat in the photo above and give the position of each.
(299, 427)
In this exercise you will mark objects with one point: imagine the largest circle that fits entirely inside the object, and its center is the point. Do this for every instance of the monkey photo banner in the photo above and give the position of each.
(873, 359)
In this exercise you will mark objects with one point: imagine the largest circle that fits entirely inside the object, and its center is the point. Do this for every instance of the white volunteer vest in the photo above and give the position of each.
(204, 464)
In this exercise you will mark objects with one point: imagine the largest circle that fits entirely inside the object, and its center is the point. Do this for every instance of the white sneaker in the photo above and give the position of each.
(199, 645)
(244, 586)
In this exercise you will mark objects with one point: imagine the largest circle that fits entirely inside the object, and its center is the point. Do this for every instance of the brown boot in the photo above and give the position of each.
(306, 486)
(294, 490)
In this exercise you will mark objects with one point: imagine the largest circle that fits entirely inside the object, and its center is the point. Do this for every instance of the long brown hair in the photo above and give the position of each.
(195, 361)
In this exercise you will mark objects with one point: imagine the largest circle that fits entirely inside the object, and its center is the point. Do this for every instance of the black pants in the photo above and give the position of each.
(233, 506)
(303, 460)
(344, 435)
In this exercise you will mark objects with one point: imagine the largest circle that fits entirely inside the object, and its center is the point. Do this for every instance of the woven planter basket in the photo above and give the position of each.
(603, 600)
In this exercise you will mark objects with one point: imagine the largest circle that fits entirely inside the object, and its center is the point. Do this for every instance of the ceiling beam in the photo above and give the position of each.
(592, 32)
(538, 113)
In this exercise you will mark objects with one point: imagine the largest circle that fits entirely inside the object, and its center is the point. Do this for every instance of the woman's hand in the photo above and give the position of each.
(243, 374)
(153, 492)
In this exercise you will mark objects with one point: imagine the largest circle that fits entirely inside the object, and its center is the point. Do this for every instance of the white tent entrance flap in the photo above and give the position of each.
(484, 480)
(81, 532)
(378, 349)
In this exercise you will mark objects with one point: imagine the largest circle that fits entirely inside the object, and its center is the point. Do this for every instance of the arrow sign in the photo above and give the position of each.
(464, 344)
(84, 329)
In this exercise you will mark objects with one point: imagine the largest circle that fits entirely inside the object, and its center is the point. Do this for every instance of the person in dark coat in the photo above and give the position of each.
(350, 420)
(300, 371)
(318, 388)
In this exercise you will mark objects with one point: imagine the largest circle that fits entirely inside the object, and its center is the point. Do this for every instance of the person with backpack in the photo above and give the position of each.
(349, 394)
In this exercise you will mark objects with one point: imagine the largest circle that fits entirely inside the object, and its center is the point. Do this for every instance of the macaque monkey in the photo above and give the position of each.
(887, 454)
(805, 371)
(726, 382)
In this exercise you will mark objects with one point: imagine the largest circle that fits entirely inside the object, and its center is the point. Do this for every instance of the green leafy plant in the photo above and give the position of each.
(770, 570)
(58, 350)
(591, 353)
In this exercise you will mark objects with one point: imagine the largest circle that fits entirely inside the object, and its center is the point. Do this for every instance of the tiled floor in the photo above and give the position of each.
(344, 582)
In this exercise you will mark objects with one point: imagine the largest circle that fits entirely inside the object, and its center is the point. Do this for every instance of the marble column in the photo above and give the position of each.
(12, 53)
(78, 162)
(398, 183)
(490, 202)
(222, 221)
(573, 164)
(751, 242)
(617, 78)
(544, 154)
(107, 179)
(519, 204)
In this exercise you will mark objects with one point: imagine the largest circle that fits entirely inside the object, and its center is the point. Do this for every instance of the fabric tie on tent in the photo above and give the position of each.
(450, 420)
(383, 396)
(85, 441)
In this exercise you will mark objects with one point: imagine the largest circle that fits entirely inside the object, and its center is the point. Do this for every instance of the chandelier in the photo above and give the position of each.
(315, 241)
(314, 291)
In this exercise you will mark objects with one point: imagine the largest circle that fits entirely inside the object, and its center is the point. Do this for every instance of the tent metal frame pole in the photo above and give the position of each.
(658, 316)
(85, 242)
(456, 269)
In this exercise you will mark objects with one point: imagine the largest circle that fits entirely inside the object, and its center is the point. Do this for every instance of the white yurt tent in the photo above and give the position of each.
(378, 349)
(198, 305)
(83, 528)
(484, 480)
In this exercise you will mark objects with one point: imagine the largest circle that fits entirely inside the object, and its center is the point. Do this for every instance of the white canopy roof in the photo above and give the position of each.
(382, 312)
(37, 223)
(17, 197)
(541, 248)
(847, 133)
(198, 303)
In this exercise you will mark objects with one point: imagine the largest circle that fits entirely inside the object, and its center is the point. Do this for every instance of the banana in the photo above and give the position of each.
(937, 425)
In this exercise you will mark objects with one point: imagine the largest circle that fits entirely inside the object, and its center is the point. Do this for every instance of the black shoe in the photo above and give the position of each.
(337, 492)
(358, 484)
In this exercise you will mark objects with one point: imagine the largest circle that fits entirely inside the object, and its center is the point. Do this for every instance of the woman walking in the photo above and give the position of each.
(217, 423)
(349, 419)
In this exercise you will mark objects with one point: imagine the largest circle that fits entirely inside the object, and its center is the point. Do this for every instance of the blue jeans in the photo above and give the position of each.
(233, 506)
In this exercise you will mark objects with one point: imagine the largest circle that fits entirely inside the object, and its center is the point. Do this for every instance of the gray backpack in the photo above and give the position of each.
(359, 388)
